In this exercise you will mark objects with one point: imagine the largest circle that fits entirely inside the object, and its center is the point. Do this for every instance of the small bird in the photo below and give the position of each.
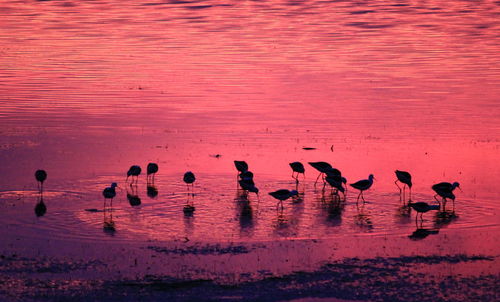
(249, 186)
(152, 168)
(283, 194)
(336, 183)
(363, 185)
(445, 190)
(297, 167)
(134, 171)
(109, 192)
(189, 178)
(241, 166)
(405, 178)
(322, 167)
(422, 207)
(40, 176)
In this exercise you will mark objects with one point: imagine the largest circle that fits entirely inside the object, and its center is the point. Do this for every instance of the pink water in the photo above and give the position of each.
(89, 89)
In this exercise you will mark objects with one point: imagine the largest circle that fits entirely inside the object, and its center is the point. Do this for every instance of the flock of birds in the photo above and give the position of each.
(329, 175)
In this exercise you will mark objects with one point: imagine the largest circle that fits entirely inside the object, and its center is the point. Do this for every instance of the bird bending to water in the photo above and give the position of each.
(151, 169)
(405, 178)
(363, 185)
(40, 176)
(336, 183)
(241, 166)
(445, 190)
(297, 167)
(322, 167)
(134, 171)
(422, 207)
(283, 194)
(109, 192)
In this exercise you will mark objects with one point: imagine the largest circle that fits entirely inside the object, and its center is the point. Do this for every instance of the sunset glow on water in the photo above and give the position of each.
(88, 89)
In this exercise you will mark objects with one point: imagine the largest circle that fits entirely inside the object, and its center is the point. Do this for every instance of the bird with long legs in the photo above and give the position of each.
(241, 166)
(134, 171)
(297, 168)
(337, 185)
(109, 192)
(40, 176)
(283, 195)
(322, 167)
(421, 208)
(363, 185)
(405, 178)
(151, 170)
(445, 191)
(246, 182)
(189, 179)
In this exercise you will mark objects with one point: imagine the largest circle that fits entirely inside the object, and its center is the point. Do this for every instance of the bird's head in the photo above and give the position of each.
(114, 185)
(456, 185)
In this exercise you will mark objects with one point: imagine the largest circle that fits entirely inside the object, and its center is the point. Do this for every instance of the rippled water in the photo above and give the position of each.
(89, 88)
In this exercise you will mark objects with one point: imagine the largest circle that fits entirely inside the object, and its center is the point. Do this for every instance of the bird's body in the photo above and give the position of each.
(248, 185)
(241, 166)
(151, 169)
(134, 171)
(363, 185)
(40, 176)
(322, 167)
(422, 207)
(445, 190)
(283, 194)
(110, 192)
(189, 177)
(336, 182)
(405, 178)
(297, 168)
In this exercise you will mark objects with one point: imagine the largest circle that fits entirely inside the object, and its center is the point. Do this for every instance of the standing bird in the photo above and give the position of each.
(109, 192)
(405, 178)
(189, 178)
(134, 171)
(336, 183)
(40, 176)
(322, 167)
(363, 185)
(246, 182)
(445, 190)
(297, 167)
(151, 169)
(241, 166)
(422, 207)
(283, 194)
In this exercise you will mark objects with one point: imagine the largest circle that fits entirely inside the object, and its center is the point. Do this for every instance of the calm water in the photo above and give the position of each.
(88, 89)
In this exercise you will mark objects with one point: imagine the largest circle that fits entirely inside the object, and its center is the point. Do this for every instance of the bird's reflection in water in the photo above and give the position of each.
(133, 196)
(444, 218)
(421, 233)
(189, 206)
(40, 207)
(403, 214)
(363, 218)
(108, 225)
(152, 191)
(244, 213)
(188, 225)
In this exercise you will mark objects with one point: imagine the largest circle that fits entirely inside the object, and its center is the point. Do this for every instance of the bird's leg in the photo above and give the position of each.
(363, 197)
(317, 178)
(409, 199)
(359, 196)
(396, 182)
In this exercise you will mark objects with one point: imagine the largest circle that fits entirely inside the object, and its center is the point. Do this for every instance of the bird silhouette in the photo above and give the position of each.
(110, 192)
(134, 171)
(189, 179)
(283, 194)
(405, 178)
(241, 166)
(151, 169)
(40, 176)
(322, 167)
(363, 185)
(422, 207)
(297, 168)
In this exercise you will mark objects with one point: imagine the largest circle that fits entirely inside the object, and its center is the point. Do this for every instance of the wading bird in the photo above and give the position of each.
(134, 171)
(363, 185)
(422, 207)
(189, 179)
(445, 190)
(322, 167)
(241, 166)
(151, 171)
(297, 167)
(405, 178)
(109, 192)
(40, 176)
(283, 194)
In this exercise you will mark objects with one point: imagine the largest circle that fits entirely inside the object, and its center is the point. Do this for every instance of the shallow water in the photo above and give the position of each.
(88, 89)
